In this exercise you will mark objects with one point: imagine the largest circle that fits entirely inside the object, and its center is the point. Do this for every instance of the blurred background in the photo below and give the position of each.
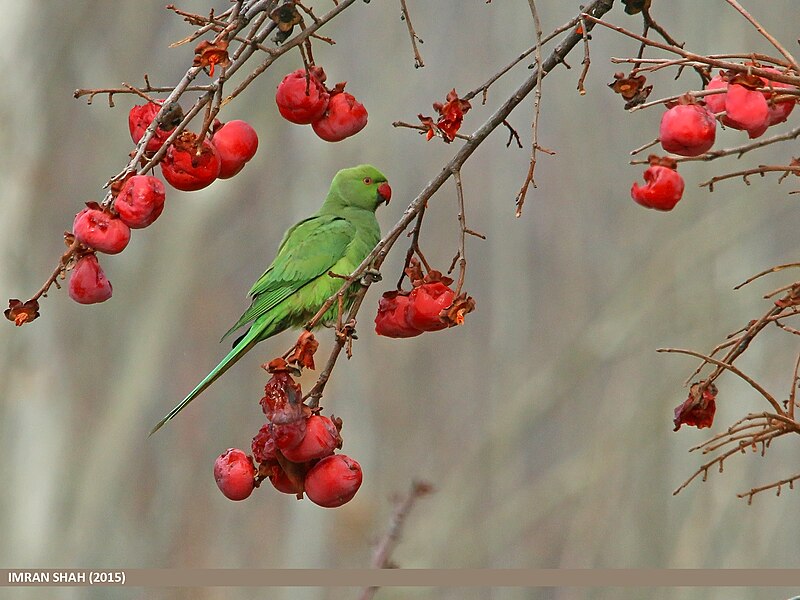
(544, 423)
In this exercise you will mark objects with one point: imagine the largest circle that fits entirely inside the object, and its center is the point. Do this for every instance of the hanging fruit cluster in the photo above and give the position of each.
(295, 449)
(741, 101)
(333, 114)
(138, 200)
(431, 305)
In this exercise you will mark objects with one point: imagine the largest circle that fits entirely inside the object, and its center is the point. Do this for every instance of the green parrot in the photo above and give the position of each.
(294, 287)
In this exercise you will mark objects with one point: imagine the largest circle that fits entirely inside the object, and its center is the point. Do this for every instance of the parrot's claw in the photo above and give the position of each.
(371, 276)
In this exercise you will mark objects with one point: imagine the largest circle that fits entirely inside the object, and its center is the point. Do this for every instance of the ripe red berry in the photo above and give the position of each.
(391, 318)
(345, 116)
(778, 111)
(140, 201)
(87, 282)
(282, 482)
(688, 130)
(290, 434)
(716, 102)
(185, 168)
(746, 110)
(425, 303)
(663, 190)
(235, 474)
(139, 119)
(236, 143)
(101, 230)
(302, 99)
(321, 439)
(333, 481)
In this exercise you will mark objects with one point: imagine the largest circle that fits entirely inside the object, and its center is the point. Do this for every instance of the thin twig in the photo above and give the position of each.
(537, 99)
(418, 62)
(777, 484)
(745, 174)
(772, 40)
(381, 558)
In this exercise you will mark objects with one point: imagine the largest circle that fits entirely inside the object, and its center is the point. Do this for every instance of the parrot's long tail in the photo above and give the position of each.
(240, 349)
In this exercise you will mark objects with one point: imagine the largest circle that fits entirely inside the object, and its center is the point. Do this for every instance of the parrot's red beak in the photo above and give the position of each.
(385, 192)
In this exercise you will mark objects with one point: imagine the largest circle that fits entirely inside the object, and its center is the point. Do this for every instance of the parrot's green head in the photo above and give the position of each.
(360, 187)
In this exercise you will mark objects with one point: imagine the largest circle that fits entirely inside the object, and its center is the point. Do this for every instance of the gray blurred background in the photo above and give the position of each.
(544, 423)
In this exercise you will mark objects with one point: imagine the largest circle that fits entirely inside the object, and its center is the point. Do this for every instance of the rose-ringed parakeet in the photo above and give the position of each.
(297, 283)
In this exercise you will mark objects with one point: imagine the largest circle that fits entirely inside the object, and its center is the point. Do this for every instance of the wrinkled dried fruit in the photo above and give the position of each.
(698, 409)
(333, 481)
(87, 281)
(235, 474)
(140, 201)
(263, 445)
(344, 117)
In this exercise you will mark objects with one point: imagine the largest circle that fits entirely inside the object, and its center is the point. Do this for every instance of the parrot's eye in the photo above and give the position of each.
(368, 180)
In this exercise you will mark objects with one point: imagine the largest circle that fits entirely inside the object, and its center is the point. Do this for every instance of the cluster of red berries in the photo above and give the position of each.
(139, 199)
(294, 450)
(688, 128)
(333, 114)
(431, 305)
(408, 314)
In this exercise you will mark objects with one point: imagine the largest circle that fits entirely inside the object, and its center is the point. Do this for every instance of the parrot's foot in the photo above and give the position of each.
(371, 276)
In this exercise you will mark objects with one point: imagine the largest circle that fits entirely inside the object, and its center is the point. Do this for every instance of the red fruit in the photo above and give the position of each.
(746, 110)
(140, 201)
(333, 481)
(283, 482)
(321, 439)
(236, 143)
(663, 190)
(716, 102)
(391, 318)
(778, 111)
(235, 474)
(688, 130)
(139, 119)
(101, 230)
(87, 282)
(302, 99)
(263, 445)
(345, 116)
(185, 168)
(288, 435)
(425, 303)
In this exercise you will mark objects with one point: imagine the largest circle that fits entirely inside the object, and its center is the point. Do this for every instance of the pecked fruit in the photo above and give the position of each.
(101, 230)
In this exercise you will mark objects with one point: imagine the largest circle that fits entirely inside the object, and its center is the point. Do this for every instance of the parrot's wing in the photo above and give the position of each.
(308, 251)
